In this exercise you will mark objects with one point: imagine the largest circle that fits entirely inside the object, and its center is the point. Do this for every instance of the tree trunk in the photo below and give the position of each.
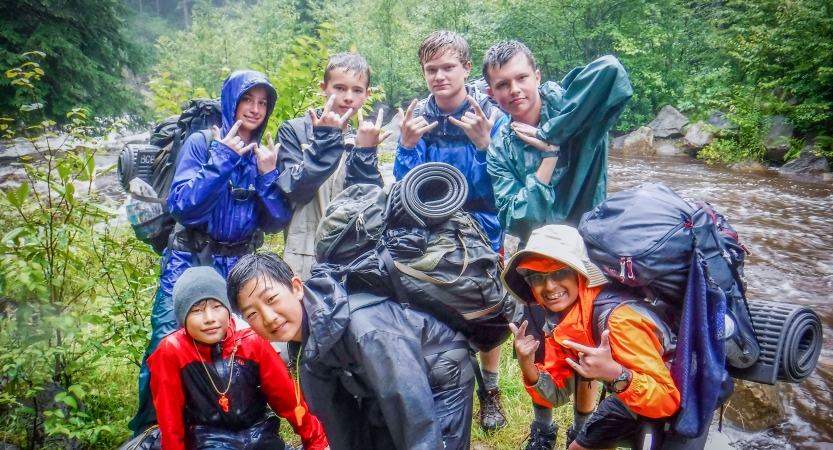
(185, 13)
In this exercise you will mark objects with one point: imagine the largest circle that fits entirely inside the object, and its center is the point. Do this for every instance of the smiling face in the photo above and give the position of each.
(514, 86)
(273, 309)
(349, 87)
(558, 292)
(446, 75)
(207, 321)
(251, 109)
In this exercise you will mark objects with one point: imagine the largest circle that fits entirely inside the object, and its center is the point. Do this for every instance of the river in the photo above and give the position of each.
(786, 224)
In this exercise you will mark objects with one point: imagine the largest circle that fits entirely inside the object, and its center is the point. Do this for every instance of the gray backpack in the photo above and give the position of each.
(353, 222)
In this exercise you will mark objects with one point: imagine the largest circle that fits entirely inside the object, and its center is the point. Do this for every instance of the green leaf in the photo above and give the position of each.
(11, 235)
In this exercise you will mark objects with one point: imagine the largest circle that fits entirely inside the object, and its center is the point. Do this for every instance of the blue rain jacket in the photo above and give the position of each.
(200, 194)
(448, 143)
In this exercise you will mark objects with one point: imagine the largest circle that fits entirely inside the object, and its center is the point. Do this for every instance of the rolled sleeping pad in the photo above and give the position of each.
(428, 195)
(790, 337)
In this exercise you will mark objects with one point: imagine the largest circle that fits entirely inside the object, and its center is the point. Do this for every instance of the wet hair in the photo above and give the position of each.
(440, 42)
(347, 62)
(500, 53)
(265, 265)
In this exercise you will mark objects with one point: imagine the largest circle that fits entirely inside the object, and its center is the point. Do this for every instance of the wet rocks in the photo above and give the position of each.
(696, 138)
(639, 143)
(777, 140)
(755, 407)
(665, 148)
(750, 166)
(618, 142)
(808, 162)
(668, 123)
(718, 120)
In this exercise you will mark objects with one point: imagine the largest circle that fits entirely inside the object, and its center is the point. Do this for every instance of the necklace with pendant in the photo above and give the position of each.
(296, 384)
(223, 401)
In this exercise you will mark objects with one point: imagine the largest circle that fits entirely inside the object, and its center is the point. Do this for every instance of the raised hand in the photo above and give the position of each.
(232, 140)
(412, 129)
(595, 363)
(330, 118)
(370, 134)
(525, 347)
(267, 157)
(526, 133)
(477, 126)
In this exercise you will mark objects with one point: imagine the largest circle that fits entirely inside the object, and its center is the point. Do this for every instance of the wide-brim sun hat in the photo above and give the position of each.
(559, 242)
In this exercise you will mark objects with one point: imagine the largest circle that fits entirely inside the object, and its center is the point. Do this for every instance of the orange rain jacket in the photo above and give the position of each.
(638, 341)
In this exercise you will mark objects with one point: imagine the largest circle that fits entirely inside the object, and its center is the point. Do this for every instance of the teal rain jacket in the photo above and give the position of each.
(576, 116)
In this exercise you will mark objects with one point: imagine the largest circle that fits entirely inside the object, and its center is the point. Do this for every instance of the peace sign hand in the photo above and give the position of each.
(267, 157)
(412, 129)
(525, 347)
(330, 118)
(527, 134)
(370, 134)
(595, 363)
(477, 126)
(232, 140)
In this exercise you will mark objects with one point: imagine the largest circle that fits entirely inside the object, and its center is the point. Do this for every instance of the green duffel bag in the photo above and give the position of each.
(353, 223)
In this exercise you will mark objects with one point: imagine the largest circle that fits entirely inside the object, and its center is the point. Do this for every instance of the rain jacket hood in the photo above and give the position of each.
(233, 89)
(328, 314)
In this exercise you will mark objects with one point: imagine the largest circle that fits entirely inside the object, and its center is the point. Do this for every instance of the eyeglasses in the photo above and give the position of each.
(241, 194)
(538, 279)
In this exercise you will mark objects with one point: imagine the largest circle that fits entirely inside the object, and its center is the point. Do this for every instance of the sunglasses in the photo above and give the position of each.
(538, 279)
(241, 194)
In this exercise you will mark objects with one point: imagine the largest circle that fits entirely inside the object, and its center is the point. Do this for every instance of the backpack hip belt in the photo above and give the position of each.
(196, 241)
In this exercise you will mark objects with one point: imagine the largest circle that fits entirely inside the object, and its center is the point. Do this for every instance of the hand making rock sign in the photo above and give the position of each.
(412, 129)
(232, 140)
(330, 118)
(369, 133)
(477, 126)
(525, 346)
(595, 363)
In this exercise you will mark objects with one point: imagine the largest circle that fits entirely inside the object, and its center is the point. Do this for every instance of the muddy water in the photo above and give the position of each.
(787, 224)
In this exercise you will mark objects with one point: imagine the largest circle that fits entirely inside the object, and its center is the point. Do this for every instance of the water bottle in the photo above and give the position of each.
(140, 211)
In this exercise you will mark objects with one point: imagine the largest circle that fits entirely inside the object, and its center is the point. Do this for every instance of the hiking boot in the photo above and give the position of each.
(541, 438)
(491, 412)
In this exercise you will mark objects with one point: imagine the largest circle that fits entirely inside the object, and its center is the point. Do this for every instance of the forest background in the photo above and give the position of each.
(75, 290)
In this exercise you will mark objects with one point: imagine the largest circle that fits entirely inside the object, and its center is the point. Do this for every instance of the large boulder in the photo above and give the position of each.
(777, 140)
(749, 166)
(696, 138)
(639, 143)
(668, 123)
(618, 142)
(755, 407)
(665, 148)
(808, 162)
(718, 120)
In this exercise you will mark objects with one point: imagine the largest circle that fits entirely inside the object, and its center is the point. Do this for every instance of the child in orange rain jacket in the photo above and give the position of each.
(632, 356)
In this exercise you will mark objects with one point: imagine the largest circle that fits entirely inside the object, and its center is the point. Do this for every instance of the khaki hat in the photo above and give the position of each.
(559, 242)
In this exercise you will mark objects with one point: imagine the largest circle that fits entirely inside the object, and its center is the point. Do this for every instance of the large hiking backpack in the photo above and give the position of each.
(645, 237)
(449, 272)
(353, 223)
(156, 163)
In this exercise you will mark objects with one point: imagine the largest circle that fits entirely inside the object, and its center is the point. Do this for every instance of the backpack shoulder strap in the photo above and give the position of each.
(608, 300)
(363, 300)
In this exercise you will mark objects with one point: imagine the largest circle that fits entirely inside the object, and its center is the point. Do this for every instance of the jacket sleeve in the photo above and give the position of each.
(652, 392)
(168, 396)
(362, 167)
(305, 166)
(273, 212)
(199, 179)
(555, 379)
(595, 93)
(408, 158)
(280, 389)
(395, 369)
(522, 203)
(336, 408)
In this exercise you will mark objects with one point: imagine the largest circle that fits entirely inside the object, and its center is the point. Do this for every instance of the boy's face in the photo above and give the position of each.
(446, 75)
(558, 290)
(272, 309)
(349, 87)
(207, 321)
(251, 108)
(514, 86)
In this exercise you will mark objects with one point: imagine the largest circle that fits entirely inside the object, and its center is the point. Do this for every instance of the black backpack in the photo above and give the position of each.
(156, 163)
(645, 237)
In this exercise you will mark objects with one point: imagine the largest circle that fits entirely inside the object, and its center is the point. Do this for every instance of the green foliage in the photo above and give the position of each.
(75, 287)
(85, 42)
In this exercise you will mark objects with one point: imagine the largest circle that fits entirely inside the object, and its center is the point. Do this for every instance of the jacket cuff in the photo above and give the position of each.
(400, 148)
(321, 132)
(263, 181)
(364, 149)
(224, 154)
(532, 183)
